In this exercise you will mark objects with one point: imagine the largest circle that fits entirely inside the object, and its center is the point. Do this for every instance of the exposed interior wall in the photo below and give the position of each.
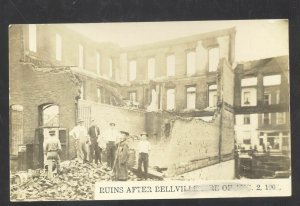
(194, 144)
(132, 121)
(226, 86)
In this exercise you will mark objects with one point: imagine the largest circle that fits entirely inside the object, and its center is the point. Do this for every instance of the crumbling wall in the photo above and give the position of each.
(194, 144)
(226, 84)
(227, 132)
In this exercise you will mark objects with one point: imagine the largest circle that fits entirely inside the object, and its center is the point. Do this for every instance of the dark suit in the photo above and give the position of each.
(94, 148)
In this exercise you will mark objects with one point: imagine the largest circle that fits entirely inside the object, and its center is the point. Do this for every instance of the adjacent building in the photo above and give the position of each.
(261, 101)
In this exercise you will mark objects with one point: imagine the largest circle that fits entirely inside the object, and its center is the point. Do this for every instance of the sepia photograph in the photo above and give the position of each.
(149, 110)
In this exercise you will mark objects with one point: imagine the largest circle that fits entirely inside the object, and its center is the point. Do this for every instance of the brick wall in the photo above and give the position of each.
(201, 83)
(31, 88)
(39, 88)
(223, 39)
(46, 41)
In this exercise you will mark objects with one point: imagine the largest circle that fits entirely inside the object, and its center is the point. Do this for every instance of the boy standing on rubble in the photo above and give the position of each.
(144, 148)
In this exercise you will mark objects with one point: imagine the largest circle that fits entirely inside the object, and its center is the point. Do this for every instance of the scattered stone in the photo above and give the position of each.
(75, 182)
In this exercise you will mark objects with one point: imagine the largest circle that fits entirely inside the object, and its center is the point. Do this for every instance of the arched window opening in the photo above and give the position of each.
(49, 115)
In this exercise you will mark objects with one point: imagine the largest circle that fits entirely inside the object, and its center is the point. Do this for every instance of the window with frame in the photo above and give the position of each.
(277, 97)
(191, 63)
(266, 118)
(247, 137)
(110, 67)
(191, 98)
(273, 140)
(98, 62)
(285, 141)
(212, 95)
(16, 128)
(132, 96)
(272, 80)
(151, 68)
(82, 95)
(171, 65)
(280, 117)
(58, 47)
(32, 37)
(98, 95)
(213, 59)
(250, 81)
(132, 70)
(80, 54)
(49, 115)
(170, 99)
(247, 98)
(267, 98)
(247, 119)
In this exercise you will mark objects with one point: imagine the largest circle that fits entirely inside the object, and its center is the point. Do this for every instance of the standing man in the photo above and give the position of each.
(144, 148)
(94, 132)
(80, 135)
(52, 148)
(120, 167)
(110, 136)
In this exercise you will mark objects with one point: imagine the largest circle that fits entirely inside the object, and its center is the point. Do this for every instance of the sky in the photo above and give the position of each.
(255, 39)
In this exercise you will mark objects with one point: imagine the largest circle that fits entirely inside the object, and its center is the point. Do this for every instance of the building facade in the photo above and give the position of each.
(262, 117)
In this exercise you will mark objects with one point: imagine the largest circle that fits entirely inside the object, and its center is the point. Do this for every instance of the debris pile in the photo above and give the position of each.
(75, 182)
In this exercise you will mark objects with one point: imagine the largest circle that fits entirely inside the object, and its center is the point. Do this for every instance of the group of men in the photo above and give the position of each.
(90, 143)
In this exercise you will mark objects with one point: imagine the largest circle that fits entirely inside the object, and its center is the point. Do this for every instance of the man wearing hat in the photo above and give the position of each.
(80, 135)
(120, 167)
(144, 148)
(110, 136)
(94, 132)
(52, 148)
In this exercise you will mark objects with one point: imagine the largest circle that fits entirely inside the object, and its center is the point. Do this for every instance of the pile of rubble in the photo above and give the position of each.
(75, 182)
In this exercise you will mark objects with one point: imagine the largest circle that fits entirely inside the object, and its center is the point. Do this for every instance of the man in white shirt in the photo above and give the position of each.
(111, 136)
(144, 148)
(79, 133)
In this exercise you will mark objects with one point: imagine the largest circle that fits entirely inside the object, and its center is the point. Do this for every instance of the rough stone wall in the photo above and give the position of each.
(191, 141)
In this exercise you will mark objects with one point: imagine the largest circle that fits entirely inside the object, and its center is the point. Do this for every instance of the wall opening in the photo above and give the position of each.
(49, 115)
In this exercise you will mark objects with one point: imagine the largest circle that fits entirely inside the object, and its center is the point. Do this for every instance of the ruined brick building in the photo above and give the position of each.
(57, 76)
